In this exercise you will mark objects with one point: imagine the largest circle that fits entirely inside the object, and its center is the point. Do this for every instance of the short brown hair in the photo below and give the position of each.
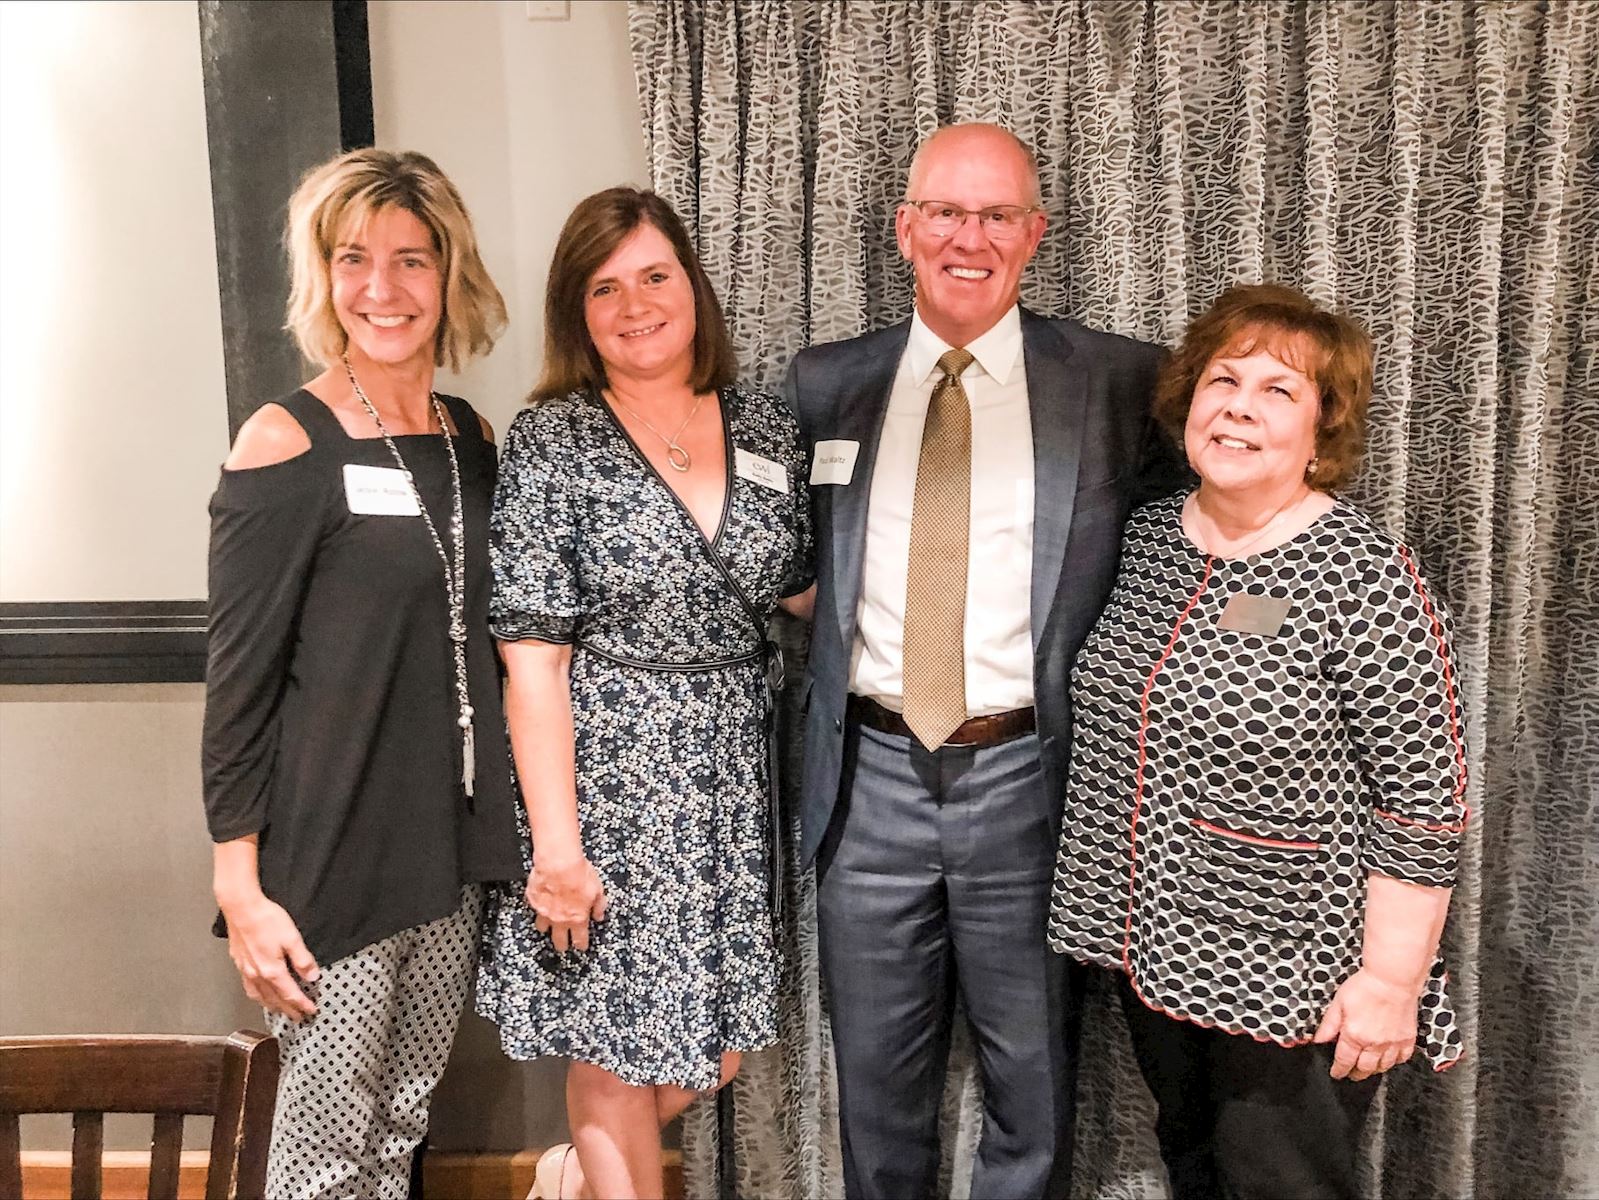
(354, 186)
(1286, 324)
(597, 226)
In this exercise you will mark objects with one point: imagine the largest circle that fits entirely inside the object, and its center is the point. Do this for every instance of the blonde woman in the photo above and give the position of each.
(355, 764)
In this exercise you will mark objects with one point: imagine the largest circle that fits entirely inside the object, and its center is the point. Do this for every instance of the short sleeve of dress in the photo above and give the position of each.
(800, 571)
(533, 532)
(1399, 691)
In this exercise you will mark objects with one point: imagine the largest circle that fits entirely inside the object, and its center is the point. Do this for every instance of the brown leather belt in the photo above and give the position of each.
(979, 731)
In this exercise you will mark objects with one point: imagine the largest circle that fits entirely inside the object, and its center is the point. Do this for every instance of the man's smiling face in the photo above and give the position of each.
(966, 281)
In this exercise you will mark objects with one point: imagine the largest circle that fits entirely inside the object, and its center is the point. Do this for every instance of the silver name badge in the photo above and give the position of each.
(1249, 612)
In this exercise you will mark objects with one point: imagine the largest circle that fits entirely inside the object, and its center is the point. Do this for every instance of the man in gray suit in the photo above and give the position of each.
(972, 469)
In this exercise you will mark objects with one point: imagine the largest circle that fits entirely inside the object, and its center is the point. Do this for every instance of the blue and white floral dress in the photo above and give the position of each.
(592, 548)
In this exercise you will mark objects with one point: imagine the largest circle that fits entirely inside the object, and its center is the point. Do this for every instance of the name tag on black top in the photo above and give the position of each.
(1248, 612)
(379, 492)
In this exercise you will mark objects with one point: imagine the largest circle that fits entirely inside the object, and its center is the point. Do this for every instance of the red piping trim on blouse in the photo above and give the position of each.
(1449, 827)
(1454, 706)
(1274, 843)
(1138, 780)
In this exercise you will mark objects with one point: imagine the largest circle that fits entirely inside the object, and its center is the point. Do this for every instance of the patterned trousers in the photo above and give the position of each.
(358, 1076)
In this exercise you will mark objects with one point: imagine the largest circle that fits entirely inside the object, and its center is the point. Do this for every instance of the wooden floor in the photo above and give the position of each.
(499, 1176)
(47, 1175)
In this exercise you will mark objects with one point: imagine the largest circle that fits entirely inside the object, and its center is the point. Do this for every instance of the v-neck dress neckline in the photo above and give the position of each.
(712, 541)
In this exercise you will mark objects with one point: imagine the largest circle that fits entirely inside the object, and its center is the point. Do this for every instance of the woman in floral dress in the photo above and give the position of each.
(649, 518)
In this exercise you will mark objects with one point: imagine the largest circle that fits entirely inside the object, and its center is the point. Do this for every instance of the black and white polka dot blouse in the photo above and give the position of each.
(1252, 737)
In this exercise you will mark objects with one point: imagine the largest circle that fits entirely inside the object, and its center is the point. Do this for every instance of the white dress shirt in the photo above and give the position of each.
(999, 572)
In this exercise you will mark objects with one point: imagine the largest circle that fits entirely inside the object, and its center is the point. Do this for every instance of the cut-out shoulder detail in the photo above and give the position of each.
(488, 430)
(268, 437)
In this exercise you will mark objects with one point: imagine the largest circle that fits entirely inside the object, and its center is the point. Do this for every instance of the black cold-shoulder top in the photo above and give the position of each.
(330, 717)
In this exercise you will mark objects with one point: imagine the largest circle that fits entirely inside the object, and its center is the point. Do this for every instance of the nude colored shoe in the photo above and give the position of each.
(550, 1172)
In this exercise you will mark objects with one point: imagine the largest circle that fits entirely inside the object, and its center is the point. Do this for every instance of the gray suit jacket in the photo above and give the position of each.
(1095, 454)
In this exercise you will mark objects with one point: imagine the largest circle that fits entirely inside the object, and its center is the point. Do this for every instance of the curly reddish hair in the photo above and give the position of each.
(1331, 349)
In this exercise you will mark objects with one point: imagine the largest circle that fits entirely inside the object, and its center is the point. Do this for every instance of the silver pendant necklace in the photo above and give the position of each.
(454, 571)
(675, 454)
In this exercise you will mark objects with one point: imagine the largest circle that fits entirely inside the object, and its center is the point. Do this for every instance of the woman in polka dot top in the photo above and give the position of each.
(1267, 782)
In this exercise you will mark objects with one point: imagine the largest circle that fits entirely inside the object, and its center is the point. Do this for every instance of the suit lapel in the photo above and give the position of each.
(1057, 396)
(860, 414)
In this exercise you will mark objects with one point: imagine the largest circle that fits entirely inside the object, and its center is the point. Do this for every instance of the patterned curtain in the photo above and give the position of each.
(1431, 167)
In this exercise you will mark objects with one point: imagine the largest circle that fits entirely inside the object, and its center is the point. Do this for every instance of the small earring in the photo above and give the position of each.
(1310, 467)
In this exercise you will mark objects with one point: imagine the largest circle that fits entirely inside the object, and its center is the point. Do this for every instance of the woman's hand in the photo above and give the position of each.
(1374, 1021)
(1373, 1015)
(264, 943)
(563, 889)
(565, 893)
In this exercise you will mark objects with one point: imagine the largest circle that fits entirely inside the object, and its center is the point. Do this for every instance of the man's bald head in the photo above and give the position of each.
(973, 137)
(969, 273)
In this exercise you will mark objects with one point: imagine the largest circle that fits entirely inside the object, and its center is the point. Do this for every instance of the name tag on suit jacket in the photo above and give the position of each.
(834, 461)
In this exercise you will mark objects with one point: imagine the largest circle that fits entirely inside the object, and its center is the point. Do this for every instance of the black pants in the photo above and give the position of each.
(1247, 1120)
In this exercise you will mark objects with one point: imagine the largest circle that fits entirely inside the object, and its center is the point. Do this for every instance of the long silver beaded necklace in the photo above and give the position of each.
(454, 571)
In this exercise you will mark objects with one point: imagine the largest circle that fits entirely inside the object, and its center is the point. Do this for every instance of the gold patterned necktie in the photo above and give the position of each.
(935, 583)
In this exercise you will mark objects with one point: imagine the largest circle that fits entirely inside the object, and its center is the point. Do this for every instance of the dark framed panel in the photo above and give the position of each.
(119, 641)
(287, 85)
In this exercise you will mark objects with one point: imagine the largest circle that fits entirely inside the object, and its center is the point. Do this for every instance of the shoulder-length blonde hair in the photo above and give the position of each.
(348, 191)
(1332, 349)
(597, 226)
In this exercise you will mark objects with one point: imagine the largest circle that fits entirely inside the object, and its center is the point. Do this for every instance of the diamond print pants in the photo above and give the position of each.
(358, 1076)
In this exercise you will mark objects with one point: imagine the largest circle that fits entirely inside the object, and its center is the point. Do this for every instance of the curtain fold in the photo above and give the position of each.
(1431, 166)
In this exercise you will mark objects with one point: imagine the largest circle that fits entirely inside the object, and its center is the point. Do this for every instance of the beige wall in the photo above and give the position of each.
(112, 419)
(114, 422)
(527, 117)
(105, 904)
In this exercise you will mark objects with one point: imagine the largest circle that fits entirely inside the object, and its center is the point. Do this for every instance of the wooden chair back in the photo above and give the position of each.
(232, 1079)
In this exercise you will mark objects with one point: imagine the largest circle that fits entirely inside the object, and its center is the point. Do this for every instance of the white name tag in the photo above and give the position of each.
(379, 492)
(834, 461)
(760, 470)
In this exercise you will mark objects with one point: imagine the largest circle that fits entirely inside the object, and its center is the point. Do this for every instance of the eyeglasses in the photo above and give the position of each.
(1001, 222)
